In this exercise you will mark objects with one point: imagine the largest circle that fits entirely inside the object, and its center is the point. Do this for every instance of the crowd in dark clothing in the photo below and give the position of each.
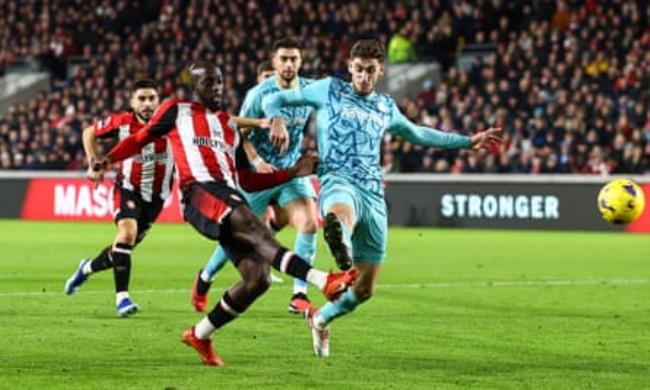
(569, 81)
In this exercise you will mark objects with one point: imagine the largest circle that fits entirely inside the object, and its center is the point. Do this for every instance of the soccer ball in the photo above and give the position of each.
(621, 201)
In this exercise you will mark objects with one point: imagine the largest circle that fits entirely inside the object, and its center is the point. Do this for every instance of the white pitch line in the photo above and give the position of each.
(441, 285)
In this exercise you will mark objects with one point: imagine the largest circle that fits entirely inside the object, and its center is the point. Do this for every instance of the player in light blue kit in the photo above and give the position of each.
(297, 196)
(351, 120)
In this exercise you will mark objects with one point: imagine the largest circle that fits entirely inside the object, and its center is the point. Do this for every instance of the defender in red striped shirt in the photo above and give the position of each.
(143, 183)
(212, 164)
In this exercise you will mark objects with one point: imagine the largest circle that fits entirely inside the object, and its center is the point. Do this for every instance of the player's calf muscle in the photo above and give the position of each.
(364, 288)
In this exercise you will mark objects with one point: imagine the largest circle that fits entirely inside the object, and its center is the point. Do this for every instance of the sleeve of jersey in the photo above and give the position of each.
(251, 106)
(425, 136)
(314, 95)
(162, 122)
(252, 181)
(107, 127)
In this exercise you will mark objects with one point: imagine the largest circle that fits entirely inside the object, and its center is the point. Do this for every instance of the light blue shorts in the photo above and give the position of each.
(297, 188)
(371, 230)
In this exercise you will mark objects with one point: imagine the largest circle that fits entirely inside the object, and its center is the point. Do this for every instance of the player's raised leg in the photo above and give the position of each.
(254, 249)
(258, 202)
(338, 205)
(337, 230)
(364, 214)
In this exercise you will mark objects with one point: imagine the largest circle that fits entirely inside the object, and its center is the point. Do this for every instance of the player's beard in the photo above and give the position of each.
(364, 89)
(215, 103)
(288, 77)
(144, 115)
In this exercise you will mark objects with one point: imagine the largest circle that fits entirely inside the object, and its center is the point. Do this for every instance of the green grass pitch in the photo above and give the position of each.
(455, 308)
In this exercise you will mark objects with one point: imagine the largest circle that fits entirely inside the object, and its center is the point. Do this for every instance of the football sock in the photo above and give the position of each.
(305, 247)
(317, 277)
(204, 328)
(331, 310)
(121, 266)
(216, 262)
(293, 265)
(99, 263)
(203, 286)
(121, 295)
(224, 312)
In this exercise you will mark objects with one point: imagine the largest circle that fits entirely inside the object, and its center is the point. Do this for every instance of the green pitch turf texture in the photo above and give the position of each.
(454, 308)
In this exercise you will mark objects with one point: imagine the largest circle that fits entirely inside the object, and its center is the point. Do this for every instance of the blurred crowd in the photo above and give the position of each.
(569, 81)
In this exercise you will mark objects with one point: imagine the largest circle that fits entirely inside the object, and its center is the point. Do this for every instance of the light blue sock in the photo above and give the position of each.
(344, 305)
(305, 247)
(216, 262)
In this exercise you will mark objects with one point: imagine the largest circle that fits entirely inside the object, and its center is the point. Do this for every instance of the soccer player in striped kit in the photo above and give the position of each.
(142, 185)
(296, 197)
(211, 164)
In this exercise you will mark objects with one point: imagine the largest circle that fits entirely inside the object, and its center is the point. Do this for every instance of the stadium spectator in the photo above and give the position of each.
(400, 47)
(567, 78)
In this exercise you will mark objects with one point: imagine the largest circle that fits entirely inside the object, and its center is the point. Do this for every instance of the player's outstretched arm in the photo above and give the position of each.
(247, 123)
(487, 138)
(313, 95)
(426, 136)
(162, 122)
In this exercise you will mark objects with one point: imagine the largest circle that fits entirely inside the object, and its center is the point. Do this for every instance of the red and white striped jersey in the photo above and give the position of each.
(204, 143)
(150, 172)
(206, 147)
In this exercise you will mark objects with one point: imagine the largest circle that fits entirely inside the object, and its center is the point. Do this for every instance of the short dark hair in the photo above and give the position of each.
(264, 66)
(145, 84)
(368, 48)
(286, 43)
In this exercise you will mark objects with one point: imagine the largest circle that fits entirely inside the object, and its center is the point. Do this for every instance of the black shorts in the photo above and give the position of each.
(206, 206)
(130, 205)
